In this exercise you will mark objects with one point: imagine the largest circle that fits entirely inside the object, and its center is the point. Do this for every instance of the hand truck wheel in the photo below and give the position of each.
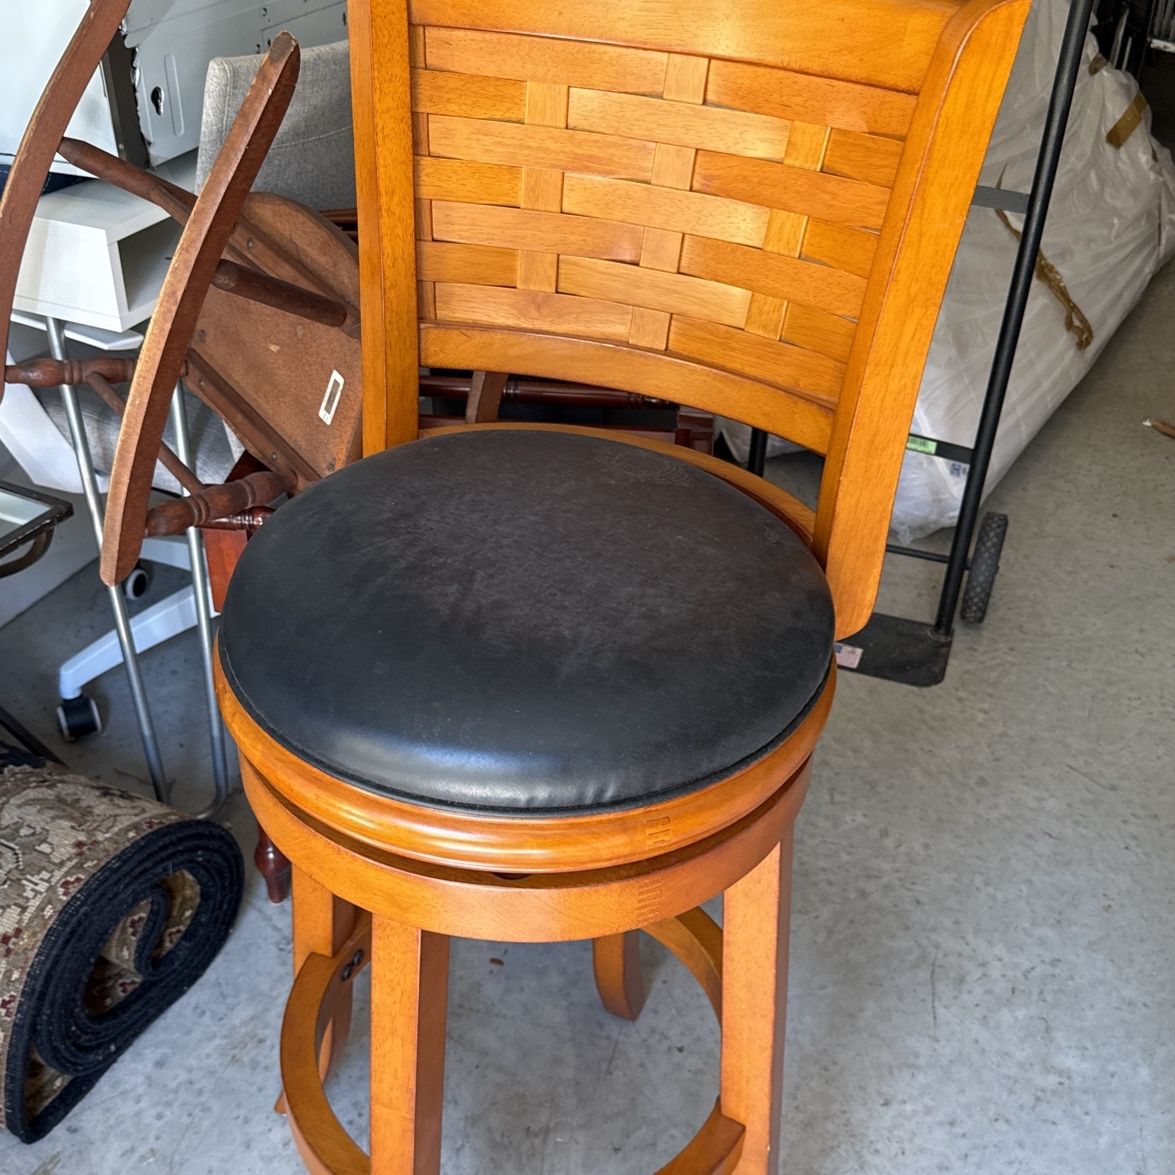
(985, 564)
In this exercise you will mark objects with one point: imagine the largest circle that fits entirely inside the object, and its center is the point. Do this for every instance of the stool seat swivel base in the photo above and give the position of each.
(342, 927)
(454, 755)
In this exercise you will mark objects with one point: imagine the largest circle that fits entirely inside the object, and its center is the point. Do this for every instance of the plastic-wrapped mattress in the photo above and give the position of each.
(1111, 225)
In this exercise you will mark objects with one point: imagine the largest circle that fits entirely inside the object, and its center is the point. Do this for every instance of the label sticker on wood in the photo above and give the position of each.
(330, 400)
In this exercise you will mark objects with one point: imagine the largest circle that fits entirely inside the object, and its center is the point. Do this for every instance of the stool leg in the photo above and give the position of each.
(321, 924)
(755, 921)
(273, 866)
(409, 1004)
(616, 961)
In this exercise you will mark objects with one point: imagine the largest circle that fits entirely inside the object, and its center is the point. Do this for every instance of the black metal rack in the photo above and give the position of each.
(916, 652)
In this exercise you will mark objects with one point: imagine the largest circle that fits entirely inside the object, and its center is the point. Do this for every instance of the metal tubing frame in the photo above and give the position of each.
(57, 348)
(1035, 213)
(757, 452)
(915, 553)
(1047, 161)
(203, 593)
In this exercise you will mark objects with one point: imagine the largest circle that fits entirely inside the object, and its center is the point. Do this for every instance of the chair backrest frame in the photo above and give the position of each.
(748, 207)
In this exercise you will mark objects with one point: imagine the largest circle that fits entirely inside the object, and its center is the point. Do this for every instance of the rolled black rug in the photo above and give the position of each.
(111, 907)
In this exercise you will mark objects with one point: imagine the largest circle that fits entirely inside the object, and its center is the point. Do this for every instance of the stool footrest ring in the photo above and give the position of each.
(325, 1146)
(694, 937)
(714, 1150)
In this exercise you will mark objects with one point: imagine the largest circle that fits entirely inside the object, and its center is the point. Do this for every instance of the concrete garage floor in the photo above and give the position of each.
(983, 938)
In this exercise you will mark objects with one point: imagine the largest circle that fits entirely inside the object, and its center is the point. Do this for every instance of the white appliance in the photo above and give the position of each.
(145, 101)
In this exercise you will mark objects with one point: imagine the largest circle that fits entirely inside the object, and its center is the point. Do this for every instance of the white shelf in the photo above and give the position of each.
(97, 255)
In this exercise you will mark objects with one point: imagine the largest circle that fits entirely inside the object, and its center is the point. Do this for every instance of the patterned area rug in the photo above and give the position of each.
(111, 907)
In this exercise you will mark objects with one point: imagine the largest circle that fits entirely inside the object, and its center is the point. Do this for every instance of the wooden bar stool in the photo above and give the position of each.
(536, 683)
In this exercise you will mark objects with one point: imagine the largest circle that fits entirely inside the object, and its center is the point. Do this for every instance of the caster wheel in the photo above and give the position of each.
(985, 563)
(135, 586)
(78, 717)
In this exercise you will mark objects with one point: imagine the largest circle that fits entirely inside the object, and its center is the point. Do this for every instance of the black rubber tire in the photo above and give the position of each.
(137, 584)
(78, 717)
(985, 565)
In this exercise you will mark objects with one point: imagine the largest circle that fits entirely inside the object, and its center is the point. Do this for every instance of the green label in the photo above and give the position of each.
(921, 444)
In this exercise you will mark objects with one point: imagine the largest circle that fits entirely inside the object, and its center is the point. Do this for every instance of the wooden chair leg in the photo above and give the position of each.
(409, 1005)
(222, 549)
(616, 961)
(485, 396)
(756, 912)
(321, 924)
(272, 864)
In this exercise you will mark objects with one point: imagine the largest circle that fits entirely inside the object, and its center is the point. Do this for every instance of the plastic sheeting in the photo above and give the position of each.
(1111, 225)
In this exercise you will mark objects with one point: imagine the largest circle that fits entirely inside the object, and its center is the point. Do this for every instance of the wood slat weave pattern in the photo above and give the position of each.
(717, 213)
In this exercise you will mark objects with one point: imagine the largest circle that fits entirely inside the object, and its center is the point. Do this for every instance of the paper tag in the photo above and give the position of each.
(330, 401)
(847, 656)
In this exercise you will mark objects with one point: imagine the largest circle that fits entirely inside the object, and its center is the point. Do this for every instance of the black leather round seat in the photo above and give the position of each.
(528, 622)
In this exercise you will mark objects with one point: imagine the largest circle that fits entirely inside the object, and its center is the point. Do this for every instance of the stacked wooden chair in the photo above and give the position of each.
(541, 683)
(265, 326)
(271, 302)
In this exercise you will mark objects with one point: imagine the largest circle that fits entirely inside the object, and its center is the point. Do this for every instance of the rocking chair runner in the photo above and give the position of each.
(456, 670)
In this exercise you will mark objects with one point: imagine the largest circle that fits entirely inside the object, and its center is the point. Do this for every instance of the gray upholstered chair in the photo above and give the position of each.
(312, 160)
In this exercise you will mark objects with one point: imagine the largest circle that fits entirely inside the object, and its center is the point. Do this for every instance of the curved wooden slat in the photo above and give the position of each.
(463, 96)
(469, 182)
(654, 289)
(792, 369)
(811, 38)
(776, 274)
(482, 265)
(527, 228)
(519, 308)
(714, 1150)
(511, 144)
(189, 277)
(325, 1146)
(34, 156)
(807, 421)
(600, 67)
(665, 207)
(696, 939)
(791, 189)
(872, 158)
(805, 98)
(686, 124)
